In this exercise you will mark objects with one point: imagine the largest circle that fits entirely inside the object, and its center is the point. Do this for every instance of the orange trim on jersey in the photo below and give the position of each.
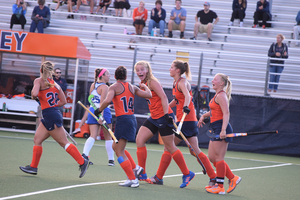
(215, 109)
(180, 98)
(49, 97)
(123, 103)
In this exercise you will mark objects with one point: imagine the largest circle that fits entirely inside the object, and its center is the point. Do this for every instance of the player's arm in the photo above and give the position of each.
(144, 93)
(172, 103)
(222, 100)
(61, 96)
(36, 88)
(109, 97)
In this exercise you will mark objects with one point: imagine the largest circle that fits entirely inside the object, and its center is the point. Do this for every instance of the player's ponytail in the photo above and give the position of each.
(184, 68)
(47, 70)
(97, 72)
(227, 84)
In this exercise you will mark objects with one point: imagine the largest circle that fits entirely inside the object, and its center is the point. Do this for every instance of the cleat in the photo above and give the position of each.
(83, 168)
(216, 189)
(77, 130)
(143, 177)
(264, 26)
(193, 38)
(138, 171)
(156, 180)
(111, 163)
(130, 183)
(211, 183)
(233, 183)
(29, 170)
(254, 26)
(186, 179)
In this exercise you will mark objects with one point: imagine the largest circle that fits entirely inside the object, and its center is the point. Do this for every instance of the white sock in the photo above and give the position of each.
(66, 146)
(241, 24)
(88, 145)
(109, 149)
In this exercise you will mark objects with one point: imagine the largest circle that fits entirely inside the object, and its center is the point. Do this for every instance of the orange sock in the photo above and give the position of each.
(141, 153)
(73, 151)
(130, 159)
(165, 161)
(126, 165)
(179, 159)
(221, 171)
(210, 171)
(36, 156)
(229, 173)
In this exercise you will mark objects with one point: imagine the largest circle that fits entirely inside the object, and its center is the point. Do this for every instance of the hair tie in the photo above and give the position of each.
(102, 72)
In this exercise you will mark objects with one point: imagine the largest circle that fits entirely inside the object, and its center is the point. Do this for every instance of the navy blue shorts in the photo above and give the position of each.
(126, 127)
(189, 129)
(160, 125)
(106, 116)
(217, 126)
(52, 116)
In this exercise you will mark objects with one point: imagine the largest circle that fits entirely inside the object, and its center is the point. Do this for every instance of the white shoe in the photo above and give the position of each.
(130, 183)
(230, 24)
(77, 130)
(138, 171)
(241, 24)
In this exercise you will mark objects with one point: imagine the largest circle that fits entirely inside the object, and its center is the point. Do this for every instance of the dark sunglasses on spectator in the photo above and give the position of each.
(58, 72)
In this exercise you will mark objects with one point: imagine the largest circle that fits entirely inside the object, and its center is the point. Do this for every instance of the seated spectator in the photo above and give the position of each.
(278, 50)
(208, 19)
(262, 13)
(177, 20)
(238, 11)
(158, 16)
(140, 15)
(87, 2)
(59, 3)
(297, 28)
(120, 5)
(40, 17)
(19, 10)
(103, 4)
(70, 4)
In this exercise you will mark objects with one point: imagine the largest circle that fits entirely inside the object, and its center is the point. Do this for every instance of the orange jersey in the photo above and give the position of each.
(49, 97)
(215, 109)
(180, 98)
(123, 103)
(155, 106)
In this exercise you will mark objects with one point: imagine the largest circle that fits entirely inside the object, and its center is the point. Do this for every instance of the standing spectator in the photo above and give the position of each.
(140, 15)
(19, 10)
(278, 50)
(177, 20)
(103, 4)
(262, 13)
(61, 82)
(40, 17)
(208, 19)
(91, 3)
(238, 11)
(297, 28)
(158, 16)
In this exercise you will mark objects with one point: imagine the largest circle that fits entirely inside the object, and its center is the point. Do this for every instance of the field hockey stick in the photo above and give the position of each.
(180, 123)
(191, 149)
(105, 125)
(211, 134)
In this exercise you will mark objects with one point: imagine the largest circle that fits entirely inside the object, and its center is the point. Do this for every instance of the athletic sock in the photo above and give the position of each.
(179, 159)
(130, 159)
(126, 166)
(88, 146)
(36, 156)
(73, 151)
(109, 149)
(165, 161)
(221, 171)
(229, 173)
(141, 154)
(210, 171)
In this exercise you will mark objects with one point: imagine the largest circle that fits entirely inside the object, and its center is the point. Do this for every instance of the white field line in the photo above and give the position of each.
(110, 182)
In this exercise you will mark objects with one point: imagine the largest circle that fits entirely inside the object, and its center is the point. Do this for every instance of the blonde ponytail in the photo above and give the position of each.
(47, 70)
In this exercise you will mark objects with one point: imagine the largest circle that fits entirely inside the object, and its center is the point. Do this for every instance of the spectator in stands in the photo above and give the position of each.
(59, 3)
(208, 19)
(158, 16)
(177, 19)
(262, 13)
(238, 11)
(297, 28)
(120, 5)
(278, 50)
(103, 4)
(61, 82)
(19, 10)
(90, 2)
(40, 17)
(140, 15)
(70, 4)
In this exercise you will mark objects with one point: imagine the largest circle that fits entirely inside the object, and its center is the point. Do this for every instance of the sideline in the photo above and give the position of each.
(110, 182)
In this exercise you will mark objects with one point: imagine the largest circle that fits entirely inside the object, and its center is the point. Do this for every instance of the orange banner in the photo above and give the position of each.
(43, 44)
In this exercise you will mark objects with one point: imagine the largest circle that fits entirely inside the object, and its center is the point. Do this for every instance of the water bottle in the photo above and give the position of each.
(4, 107)
(125, 31)
(154, 32)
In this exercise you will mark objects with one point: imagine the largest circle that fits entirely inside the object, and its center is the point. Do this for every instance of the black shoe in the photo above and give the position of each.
(83, 168)
(170, 35)
(69, 16)
(29, 170)
(72, 16)
(111, 163)
(209, 39)
(193, 38)
(85, 156)
(182, 36)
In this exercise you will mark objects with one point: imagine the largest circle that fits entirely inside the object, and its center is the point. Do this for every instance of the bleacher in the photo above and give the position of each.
(240, 52)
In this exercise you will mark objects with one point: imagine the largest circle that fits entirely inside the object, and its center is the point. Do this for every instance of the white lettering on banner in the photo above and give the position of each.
(6, 42)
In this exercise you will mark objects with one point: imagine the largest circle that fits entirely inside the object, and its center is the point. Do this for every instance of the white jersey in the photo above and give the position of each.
(97, 97)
